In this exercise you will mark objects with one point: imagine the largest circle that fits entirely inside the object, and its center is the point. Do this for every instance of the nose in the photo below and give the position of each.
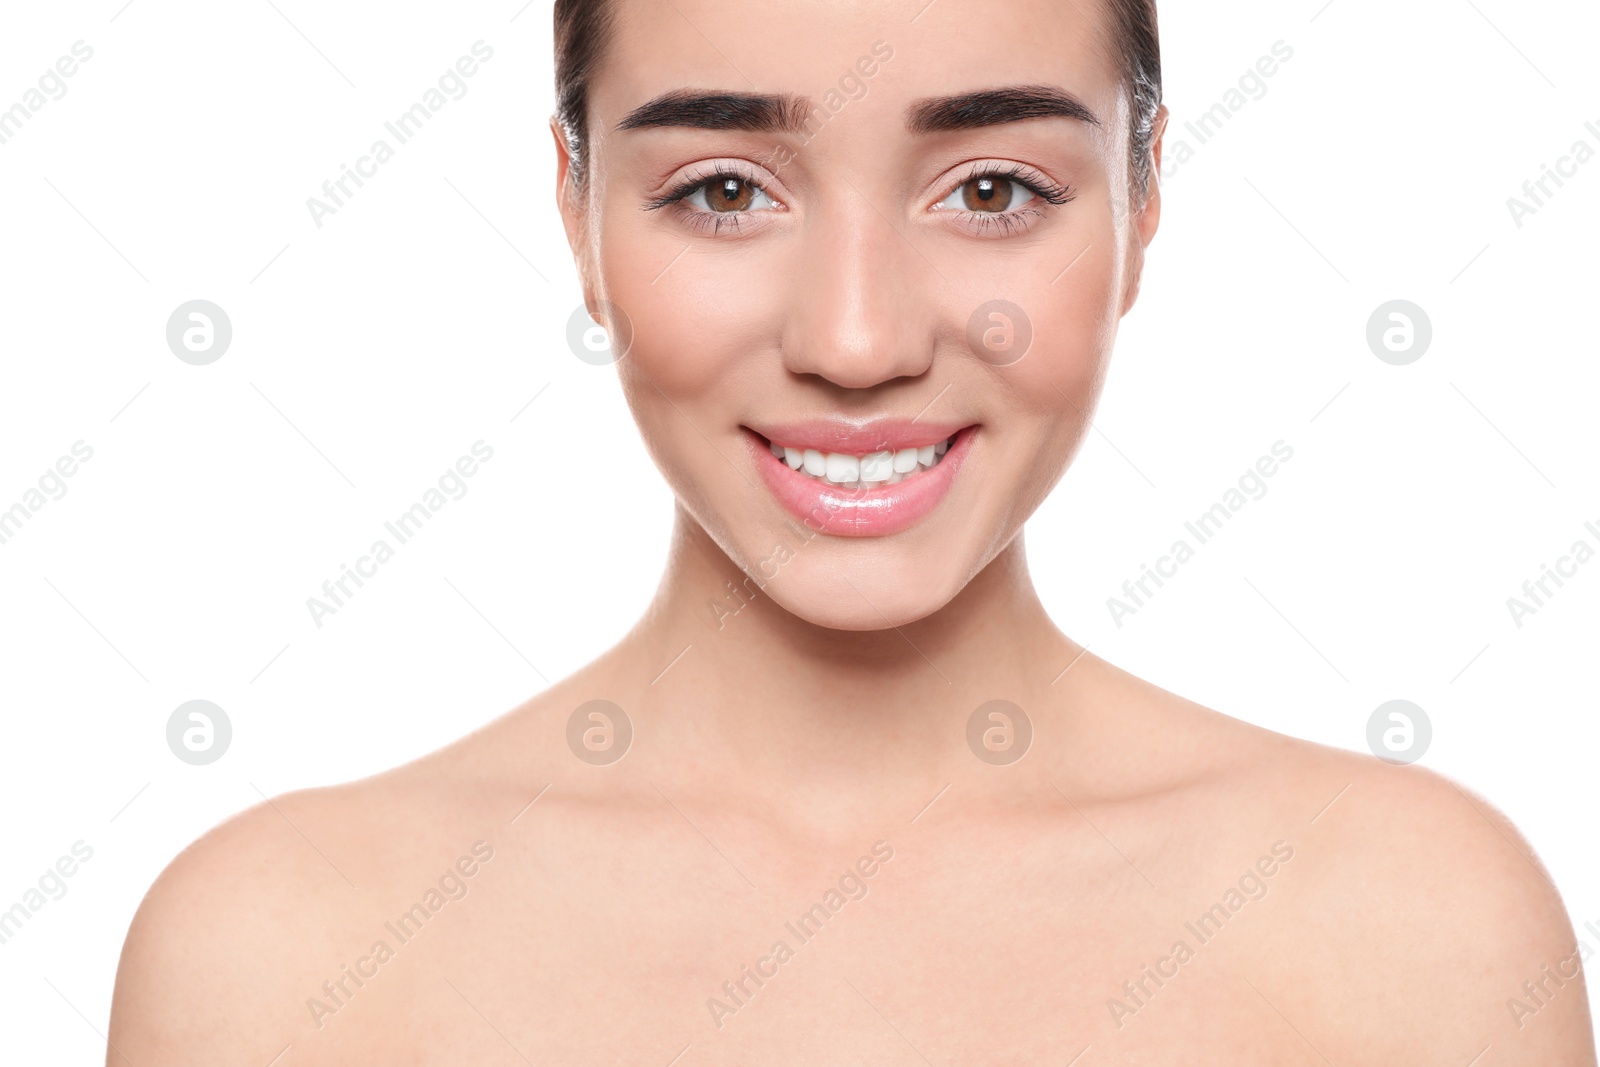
(863, 302)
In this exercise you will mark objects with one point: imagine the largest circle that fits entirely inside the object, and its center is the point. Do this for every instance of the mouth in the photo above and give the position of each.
(860, 493)
(846, 470)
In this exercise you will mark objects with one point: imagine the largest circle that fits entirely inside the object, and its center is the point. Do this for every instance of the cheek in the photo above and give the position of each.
(698, 313)
(689, 374)
(1074, 321)
(671, 327)
(1052, 392)
(676, 375)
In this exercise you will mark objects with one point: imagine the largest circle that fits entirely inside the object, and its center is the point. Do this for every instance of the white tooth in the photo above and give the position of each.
(925, 455)
(939, 448)
(793, 457)
(776, 450)
(895, 478)
(877, 466)
(843, 468)
(905, 461)
(815, 464)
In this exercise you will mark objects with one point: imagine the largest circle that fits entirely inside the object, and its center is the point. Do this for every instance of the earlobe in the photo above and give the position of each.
(1135, 276)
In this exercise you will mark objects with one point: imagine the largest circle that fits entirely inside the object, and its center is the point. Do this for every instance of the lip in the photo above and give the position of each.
(888, 509)
(879, 435)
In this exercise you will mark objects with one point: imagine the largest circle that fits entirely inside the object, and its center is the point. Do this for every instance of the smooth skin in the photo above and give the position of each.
(1368, 913)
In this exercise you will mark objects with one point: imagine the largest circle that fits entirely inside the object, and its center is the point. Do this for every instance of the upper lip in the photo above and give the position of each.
(859, 438)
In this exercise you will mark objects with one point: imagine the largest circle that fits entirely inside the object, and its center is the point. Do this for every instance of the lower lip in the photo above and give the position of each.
(879, 512)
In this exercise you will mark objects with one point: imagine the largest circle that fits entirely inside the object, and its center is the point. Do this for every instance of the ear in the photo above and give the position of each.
(1148, 220)
(569, 202)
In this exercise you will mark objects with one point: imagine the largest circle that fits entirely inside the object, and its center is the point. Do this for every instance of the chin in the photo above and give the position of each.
(842, 584)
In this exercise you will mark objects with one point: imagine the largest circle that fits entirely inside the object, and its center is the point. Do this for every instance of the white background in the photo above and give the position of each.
(426, 314)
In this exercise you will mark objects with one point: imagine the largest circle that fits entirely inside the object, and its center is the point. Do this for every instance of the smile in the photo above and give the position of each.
(836, 482)
(849, 471)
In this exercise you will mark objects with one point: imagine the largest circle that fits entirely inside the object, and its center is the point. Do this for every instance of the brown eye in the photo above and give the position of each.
(724, 193)
(988, 194)
(727, 194)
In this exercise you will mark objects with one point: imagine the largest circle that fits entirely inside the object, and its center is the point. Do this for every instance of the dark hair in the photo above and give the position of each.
(582, 28)
(1137, 35)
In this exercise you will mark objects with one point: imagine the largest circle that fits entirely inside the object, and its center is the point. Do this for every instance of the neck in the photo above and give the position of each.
(728, 683)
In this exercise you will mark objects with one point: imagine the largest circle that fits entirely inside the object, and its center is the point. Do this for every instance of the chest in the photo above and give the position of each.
(1001, 959)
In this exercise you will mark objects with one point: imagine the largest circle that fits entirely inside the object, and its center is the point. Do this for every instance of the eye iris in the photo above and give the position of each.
(987, 194)
(730, 194)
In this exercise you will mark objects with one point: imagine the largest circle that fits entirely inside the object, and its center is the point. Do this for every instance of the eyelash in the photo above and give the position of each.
(1050, 192)
(693, 183)
(1030, 179)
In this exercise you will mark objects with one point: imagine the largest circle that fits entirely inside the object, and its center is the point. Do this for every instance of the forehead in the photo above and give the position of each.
(805, 47)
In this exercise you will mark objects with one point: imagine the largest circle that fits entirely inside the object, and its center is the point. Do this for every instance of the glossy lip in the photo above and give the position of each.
(888, 509)
(880, 435)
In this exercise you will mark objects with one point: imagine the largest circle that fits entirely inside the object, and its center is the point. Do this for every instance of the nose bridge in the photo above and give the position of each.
(862, 311)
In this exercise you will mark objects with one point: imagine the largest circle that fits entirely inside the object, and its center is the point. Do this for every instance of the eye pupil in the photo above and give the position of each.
(987, 194)
(731, 194)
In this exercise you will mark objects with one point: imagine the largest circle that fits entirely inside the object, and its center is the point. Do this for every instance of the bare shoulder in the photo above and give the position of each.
(227, 936)
(1414, 921)
(230, 956)
(1418, 903)
(1411, 921)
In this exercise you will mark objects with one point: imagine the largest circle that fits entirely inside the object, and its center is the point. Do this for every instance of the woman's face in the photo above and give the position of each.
(845, 252)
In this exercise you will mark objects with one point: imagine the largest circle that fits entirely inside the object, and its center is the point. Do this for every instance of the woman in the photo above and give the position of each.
(845, 793)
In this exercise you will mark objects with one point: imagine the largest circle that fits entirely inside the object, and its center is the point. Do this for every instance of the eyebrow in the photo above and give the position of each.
(756, 112)
(992, 107)
(787, 113)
